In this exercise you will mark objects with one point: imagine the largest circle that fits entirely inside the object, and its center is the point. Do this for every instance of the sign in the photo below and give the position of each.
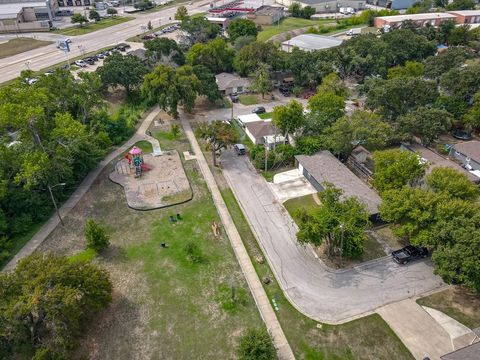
(63, 45)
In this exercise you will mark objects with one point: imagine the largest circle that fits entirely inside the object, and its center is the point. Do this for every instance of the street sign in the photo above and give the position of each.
(63, 45)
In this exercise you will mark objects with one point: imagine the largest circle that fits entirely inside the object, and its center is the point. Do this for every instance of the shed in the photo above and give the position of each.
(323, 167)
(311, 42)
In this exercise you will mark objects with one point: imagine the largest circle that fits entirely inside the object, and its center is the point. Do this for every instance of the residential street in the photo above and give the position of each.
(316, 290)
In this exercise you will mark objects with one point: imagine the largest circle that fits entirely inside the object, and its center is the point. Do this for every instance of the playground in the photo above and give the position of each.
(152, 180)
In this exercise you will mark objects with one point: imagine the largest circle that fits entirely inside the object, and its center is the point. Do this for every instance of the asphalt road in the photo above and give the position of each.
(326, 295)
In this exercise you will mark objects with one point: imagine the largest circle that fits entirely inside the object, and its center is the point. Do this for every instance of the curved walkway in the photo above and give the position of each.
(53, 222)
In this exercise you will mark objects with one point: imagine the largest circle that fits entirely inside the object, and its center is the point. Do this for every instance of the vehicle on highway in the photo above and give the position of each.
(409, 253)
(80, 63)
(259, 110)
(239, 149)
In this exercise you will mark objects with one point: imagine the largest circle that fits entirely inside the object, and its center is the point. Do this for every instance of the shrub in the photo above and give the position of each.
(256, 344)
(193, 252)
(96, 237)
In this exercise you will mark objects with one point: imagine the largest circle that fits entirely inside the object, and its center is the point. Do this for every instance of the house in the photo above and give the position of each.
(263, 132)
(244, 119)
(231, 84)
(433, 19)
(139, 53)
(26, 16)
(433, 159)
(468, 153)
(266, 15)
(325, 6)
(323, 167)
(311, 42)
(471, 352)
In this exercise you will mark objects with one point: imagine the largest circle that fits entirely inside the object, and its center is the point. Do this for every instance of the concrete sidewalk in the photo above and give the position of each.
(284, 351)
(420, 333)
(54, 221)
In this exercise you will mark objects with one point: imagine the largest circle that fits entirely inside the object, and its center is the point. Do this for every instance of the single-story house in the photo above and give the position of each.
(231, 84)
(323, 167)
(263, 132)
(436, 160)
(471, 352)
(266, 15)
(468, 153)
(311, 42)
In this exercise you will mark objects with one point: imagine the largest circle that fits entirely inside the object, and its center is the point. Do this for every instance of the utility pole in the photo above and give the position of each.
(54, 202)
(341, 245)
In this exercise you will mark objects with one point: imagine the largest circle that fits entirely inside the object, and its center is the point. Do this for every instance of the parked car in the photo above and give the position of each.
(89, 61)
(30, 81)
(100, 56)
(259, 110)
(409, 253)
(80, 63)
(239, 149)
(48, 73)
(148, 37)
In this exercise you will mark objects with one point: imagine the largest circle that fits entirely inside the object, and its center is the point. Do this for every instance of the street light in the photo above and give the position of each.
(53, 200)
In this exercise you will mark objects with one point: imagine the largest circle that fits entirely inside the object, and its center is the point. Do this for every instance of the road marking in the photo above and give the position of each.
(27, 58)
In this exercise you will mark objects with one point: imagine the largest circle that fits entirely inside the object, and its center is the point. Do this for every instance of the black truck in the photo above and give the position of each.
(409, 253)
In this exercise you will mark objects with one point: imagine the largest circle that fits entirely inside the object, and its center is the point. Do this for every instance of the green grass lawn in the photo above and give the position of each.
(366, 338)
(248, 99)
(457, 303)
(303, 202)
(267, 115)
(93, 26)
(20, 45)
(288, 24)
(145, 145)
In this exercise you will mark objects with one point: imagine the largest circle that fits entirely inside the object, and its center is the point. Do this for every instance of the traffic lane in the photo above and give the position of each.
(318, 291)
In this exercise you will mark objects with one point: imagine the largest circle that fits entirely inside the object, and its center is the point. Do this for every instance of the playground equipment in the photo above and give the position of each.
(135, 159)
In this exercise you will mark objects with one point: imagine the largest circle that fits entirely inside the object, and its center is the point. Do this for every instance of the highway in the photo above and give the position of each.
(46, 56)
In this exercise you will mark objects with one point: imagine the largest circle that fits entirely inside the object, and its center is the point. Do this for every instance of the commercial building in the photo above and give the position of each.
(433, 19)
(311, 42)
(323, 167)
(26, 16)
(326, 5)
(393, 4)
(466, 16)
(75, 2)
(266, 15)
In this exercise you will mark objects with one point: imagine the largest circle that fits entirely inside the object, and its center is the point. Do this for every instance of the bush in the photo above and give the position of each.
(256, 344)
(96, 237)
(231, 298)
(193, 252)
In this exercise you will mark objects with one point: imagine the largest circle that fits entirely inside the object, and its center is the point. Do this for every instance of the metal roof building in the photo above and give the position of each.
(311, 42)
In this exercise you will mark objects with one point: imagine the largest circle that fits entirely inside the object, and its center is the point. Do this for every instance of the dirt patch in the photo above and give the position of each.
(162, 182)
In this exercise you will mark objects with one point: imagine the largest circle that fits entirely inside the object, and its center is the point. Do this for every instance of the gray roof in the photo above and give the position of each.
(10, 10)
(313, 42)
(325, 167)
(436, 160)
(227, 80)
(268, 10)
(261, 128)
(470, 149)
(471, 352)
(140, 53)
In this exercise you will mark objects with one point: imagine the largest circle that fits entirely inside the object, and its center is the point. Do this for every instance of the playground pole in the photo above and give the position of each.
(55, 205)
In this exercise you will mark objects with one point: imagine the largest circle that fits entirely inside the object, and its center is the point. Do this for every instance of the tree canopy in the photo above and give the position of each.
(165, 51)
(218, 135)
(214, 55)
(288, 118)
(241, 27)
(119, 70)
(256, 344)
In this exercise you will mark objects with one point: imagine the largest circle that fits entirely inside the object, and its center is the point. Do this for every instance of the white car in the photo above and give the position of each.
(80, 63)
(31, 81)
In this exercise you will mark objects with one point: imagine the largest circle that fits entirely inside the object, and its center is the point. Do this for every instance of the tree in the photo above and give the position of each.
(241, 27)
(175, 131)
(395, 169)
(325, 109)
(172, 87)
(394, 97)
(297, 11)
(288, 118)
(249, 58)
(149, 26)
(472, 117)
(332, 83)
(79, 19)
(341, 224)
(426, 123)
(182, 13)
(218, 135)
(143, 5)
(94, 15)
(404, 45)
(261, 80)
(119, 70)
(452, 182)
(309, 68)
(462, 83)
(96, 236)
(436, 66)
(208, 83)
(242, 41)
(256, 344)
(216, 55)
(46, 303)
(411, 69)
(112, 11)
(165, 51)
(461, 5)
(198, 29)
(361, 128)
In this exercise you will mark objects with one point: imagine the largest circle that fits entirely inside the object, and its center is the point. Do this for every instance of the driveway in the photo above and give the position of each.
(326, 295)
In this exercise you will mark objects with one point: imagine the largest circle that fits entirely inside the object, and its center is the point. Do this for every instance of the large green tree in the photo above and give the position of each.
(256, 344)
(182, 13)
(288, 118)
(46, 304)
(452, 182)
(396, 168)
(119, 70)
(216, 55)
(411, 68)
(218, 135)
(241, 27)
(164, 50)
(198, 29)
(325, 108)
(79, 19)
(261, 81)
(249, 57)
(332, 83)
(340, 223)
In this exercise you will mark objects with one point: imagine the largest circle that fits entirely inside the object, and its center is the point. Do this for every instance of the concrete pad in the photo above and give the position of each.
(286, 176)
(292, 189)
(451, 326)
(420, 333)
(188, 156)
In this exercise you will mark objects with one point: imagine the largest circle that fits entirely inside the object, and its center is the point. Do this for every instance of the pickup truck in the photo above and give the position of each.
(409, 253)
(354, 32)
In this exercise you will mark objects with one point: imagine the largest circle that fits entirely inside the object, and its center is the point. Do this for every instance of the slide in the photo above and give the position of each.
(145, 167)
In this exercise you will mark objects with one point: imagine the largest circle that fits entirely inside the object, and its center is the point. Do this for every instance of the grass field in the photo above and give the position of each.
(457, 303)
(248, 99)
(267, 115)
(168, 303)
(288, 24)
(20, 45)
(93, 26)
(303, 202)
(368, 338)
